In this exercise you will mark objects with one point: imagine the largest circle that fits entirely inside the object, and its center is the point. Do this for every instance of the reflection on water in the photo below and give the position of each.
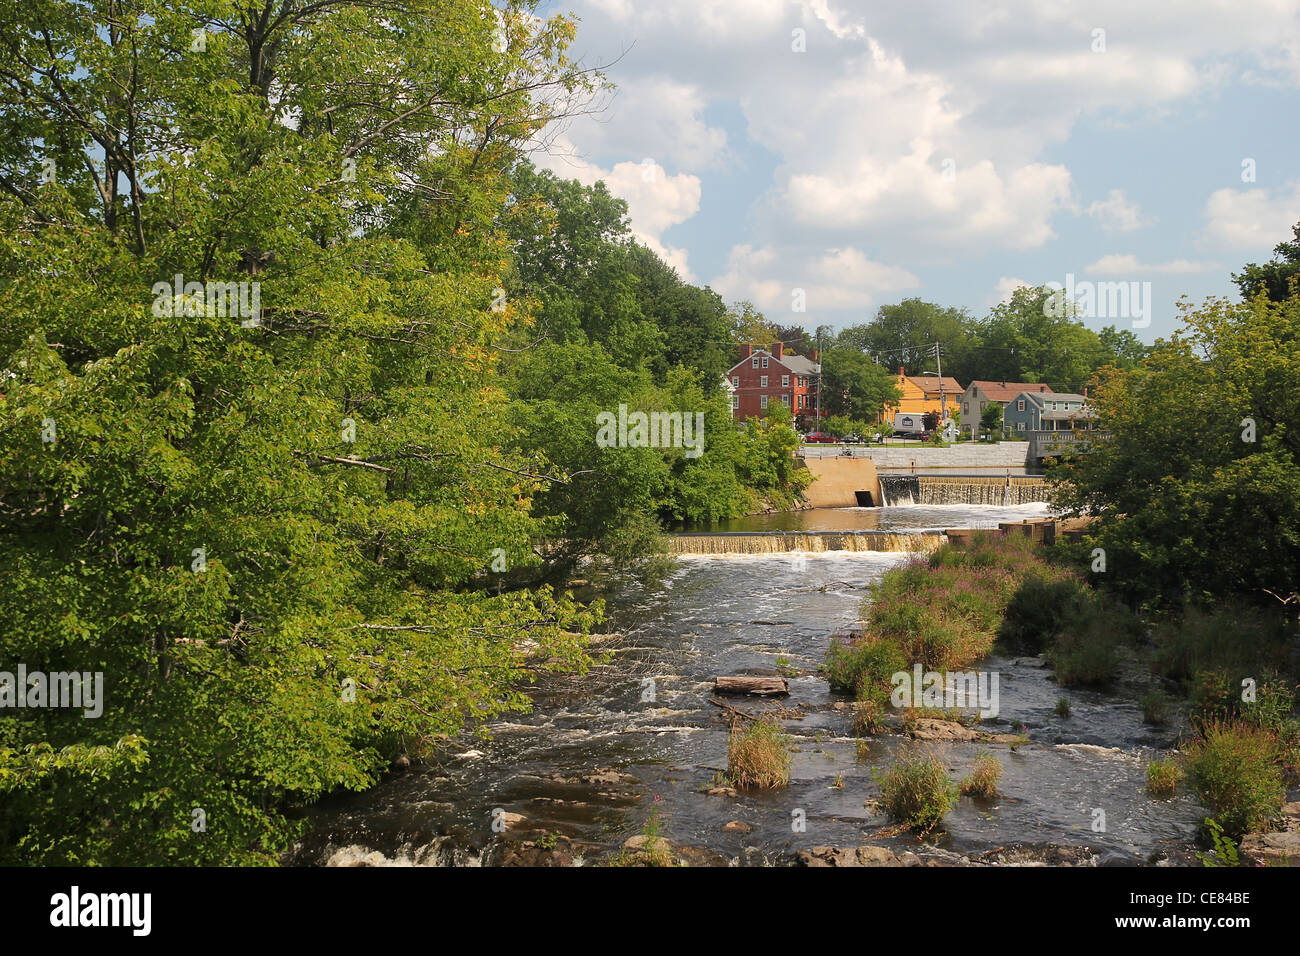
(592, 757)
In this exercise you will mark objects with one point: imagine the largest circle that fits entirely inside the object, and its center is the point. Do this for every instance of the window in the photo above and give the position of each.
(1020, 426)
(753, 362)
(803, 401)
(735, 401)
(803, 382)
(762, 381)
(735, 380)
(785, 381)
(965, 408)
(785, 399)
(764, 400)
(1020, 405)
(764, 361)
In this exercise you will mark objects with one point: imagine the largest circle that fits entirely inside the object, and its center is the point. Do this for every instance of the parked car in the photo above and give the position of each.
(824, 437)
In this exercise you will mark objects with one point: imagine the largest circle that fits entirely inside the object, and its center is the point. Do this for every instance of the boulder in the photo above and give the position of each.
(1275, 849)
(847, 856)
(927, 728)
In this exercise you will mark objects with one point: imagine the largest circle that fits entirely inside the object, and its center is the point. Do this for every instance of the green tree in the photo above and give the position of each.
(273, 532)
(991, 418)
(1197, 487)
(1276, 279)
(853, 385)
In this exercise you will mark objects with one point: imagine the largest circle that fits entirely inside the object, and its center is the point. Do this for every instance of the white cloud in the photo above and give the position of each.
(832, 279)
(1116, 213)
(1252, 218)
(1124, 265)
(1005, 287)
(655, 200)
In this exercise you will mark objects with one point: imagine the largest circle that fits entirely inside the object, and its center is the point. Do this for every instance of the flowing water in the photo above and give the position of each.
(597, 756)
(1008, 491)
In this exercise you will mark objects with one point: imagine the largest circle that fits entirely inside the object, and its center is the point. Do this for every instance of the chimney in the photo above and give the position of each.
(900, 371)
(746, 350)
(778, 349)
(1004, 384)
(815, 358)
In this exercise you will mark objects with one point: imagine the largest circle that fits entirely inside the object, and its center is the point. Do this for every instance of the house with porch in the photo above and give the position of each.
(979, 395)
(1029, 411)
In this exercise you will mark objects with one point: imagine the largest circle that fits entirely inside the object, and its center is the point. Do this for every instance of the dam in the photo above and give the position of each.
(857, 482)
(780, 542)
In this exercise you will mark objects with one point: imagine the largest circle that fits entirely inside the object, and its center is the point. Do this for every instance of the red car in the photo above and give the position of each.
(821, 437)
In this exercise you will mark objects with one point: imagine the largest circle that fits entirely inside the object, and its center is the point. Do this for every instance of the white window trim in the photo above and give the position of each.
(762, 381)
(763, 400)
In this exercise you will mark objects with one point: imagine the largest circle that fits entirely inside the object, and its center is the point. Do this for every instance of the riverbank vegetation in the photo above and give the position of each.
(298, 407)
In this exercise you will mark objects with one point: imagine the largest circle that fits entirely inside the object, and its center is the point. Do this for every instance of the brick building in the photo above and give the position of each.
(764, 376)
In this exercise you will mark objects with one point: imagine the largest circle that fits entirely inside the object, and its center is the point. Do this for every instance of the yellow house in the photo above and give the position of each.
(924, 393)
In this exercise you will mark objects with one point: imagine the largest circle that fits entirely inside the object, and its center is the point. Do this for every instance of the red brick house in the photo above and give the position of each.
(763, 377)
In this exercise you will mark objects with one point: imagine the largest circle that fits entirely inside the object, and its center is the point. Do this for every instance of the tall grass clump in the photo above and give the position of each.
(916, 791)
(982, 781)
(758, 757)
(1086, 649)
(864, 666)
(1163, 775)
(1047, 600)
(1234, 638)
(1237, 774)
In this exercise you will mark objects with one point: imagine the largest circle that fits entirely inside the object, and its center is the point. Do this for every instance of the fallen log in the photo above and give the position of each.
(756, 686)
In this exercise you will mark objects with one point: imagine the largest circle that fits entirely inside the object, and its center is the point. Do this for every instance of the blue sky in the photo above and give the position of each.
(943, 150)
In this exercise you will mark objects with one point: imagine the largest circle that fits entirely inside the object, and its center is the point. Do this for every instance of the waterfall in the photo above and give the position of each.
(780, 542)
(960, 490)
(899, 490)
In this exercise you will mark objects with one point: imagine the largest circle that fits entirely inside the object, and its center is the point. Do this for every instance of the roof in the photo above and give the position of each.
(930, 383)
(1006, 391)
(1064, 415)
(1067, 397)
(799, 364)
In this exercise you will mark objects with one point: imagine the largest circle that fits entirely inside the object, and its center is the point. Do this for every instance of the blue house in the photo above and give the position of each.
(1038, 411)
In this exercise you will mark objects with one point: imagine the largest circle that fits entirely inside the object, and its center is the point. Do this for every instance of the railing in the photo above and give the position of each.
(1047, 443)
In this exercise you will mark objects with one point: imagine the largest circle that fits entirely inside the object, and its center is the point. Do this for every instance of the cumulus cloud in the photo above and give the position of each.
(1252, 218)
(655, 200)
(1123, 265)
(833, 279)
(1005, 287)
(1116, 213)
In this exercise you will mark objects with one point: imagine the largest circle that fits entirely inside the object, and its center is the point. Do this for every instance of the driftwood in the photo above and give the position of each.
(757, 686)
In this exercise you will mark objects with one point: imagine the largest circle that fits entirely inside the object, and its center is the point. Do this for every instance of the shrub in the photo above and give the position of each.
(1235, 770)
(864, 667)
(983, 778)
(916, 790)
(1045, 602)
(1085, 651)
(1063, 707)
(1163, 775)
(758, 757)
(868, 720)
(1156, 706)
(1236, 639)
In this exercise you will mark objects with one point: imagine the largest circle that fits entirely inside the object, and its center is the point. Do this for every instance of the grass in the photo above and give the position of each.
(916, 791)
(1163, 775)
(868, 719)
(982, 781)
(758, 757)
(1156, 707)
(1236, 771)
(1062, 707)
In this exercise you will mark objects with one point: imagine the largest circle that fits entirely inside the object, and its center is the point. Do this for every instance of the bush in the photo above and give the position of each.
(1086, 650)
(1235, 639)
(864, 667)
(1045, 602)
(868, 720)
(1163, 775)
(916, 790)
(758, 757)
(983, 778)
(1155, 707)
(1236, 772)
(1062, 707)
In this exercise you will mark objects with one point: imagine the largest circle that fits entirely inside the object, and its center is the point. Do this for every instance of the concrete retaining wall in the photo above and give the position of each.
(838, 479)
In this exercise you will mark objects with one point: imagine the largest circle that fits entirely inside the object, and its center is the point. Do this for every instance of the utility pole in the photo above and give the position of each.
(943, 399)
(819, 379)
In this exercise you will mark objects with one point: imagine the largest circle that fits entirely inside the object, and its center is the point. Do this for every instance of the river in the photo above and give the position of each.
(594, 759)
